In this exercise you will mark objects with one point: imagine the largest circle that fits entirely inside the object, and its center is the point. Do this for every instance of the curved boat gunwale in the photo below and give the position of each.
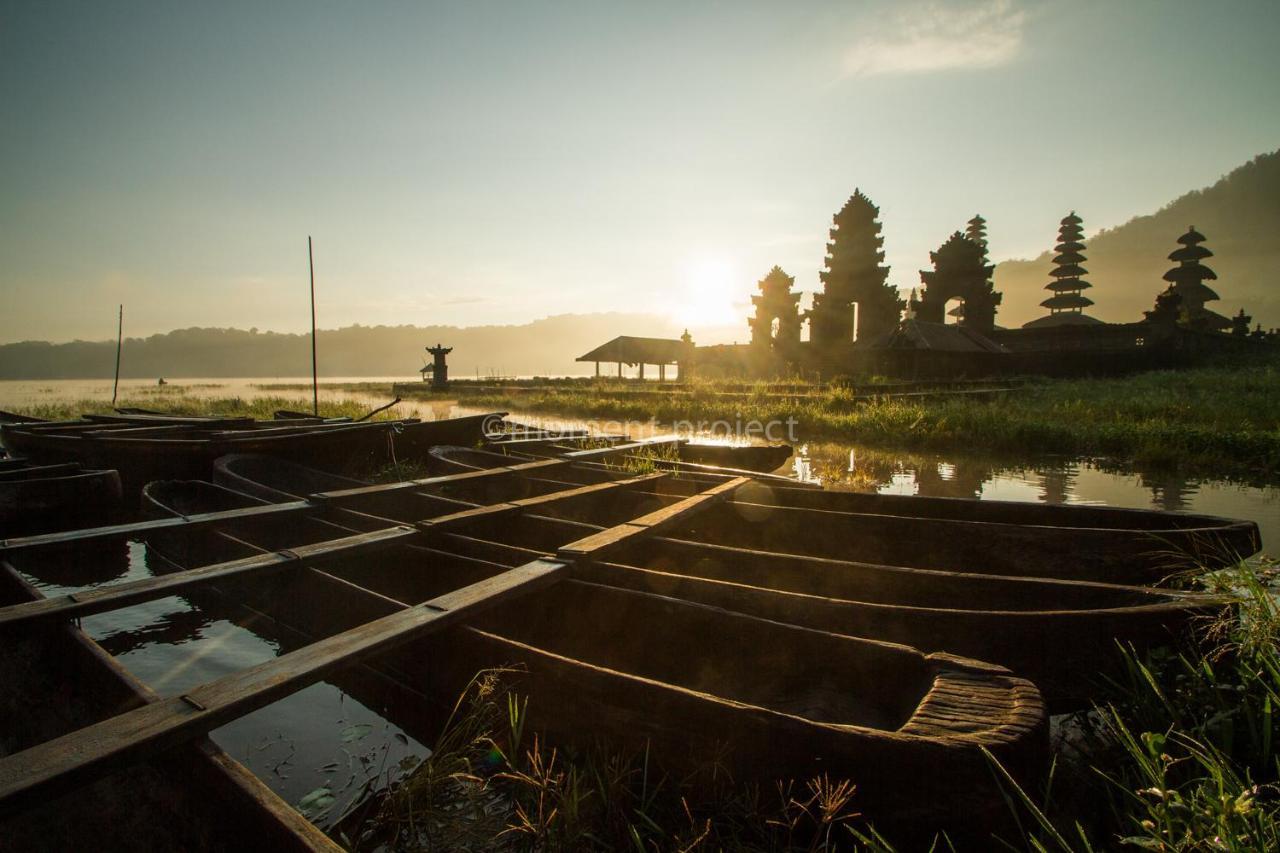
(798, 492)
(1215, 546)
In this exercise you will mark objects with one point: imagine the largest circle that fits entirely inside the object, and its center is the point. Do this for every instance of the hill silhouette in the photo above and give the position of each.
(1240, 216)
(543, 347)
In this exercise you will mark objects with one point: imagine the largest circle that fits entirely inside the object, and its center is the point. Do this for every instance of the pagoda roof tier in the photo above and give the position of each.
(1194, 291)
(1212, 319)
(1190, 253)
(1069, 246)
(1063, 301)
(1071, 219)
(1063, 318)
(1190, 273)
(1068, 271)
(1069, 258)
(1192, 237)
(1062, 285)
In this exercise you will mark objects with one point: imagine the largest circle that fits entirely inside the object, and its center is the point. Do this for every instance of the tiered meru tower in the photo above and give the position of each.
(1187, 282)
(959, 271)
(776, 302)
(854, 274)
(1066, 305)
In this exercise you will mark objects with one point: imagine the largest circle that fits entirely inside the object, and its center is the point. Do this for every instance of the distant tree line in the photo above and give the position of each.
(543, 347)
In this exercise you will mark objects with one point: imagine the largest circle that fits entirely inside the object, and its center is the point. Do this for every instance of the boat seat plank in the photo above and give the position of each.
(597, 544)
(113, 597)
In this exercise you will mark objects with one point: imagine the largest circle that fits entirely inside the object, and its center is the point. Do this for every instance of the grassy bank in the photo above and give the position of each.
(187, 404)
(1212, 419)
(1182, 755)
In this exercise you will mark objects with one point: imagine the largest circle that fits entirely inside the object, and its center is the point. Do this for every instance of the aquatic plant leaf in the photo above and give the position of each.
(316, 801)
(356, 732)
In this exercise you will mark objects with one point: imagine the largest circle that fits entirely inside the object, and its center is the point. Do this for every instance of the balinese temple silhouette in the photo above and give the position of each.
(776, 323)
(854, 275)
(1066, 305)
(1187, 282)
(859, 324)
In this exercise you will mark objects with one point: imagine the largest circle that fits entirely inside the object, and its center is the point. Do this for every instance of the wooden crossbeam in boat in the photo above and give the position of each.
(478, 513)
(341, 495)
(115, 596)
(139, 529)
(81, 756)
(103, 747)
(597, 544)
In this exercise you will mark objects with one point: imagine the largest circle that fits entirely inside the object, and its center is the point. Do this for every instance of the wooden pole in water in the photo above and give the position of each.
(315, 383)
(115, 387)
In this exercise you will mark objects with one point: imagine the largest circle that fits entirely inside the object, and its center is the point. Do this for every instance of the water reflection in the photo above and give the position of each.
(354, 733)
(58, 571)
(1050, 480)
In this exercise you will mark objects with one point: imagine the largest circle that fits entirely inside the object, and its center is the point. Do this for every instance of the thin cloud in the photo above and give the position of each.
(940, 37)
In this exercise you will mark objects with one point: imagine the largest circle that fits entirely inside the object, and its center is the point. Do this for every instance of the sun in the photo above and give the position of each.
(708, 284)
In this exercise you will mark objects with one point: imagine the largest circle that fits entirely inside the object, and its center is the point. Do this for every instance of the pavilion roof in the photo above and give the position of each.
(631, 350)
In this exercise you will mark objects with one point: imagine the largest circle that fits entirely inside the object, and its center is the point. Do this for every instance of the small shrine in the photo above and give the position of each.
(439, 369)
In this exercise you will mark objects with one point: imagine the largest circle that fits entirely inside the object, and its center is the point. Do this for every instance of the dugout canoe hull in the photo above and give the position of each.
(1060, 634)
(142, 459)
(761, 458)
(44, 498)
(1105, 544)
(771, 700)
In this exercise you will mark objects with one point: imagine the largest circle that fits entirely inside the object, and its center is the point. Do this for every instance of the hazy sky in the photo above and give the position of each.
(478, 162)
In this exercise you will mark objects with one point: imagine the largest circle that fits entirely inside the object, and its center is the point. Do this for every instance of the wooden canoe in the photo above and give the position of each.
(1106, 544)
(195, 798)
(1059, 634)
(693, 681)
(189, 452)
(44, 498)
(760, 458)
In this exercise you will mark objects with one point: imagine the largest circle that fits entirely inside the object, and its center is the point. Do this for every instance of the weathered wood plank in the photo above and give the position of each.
(88, 753)
(339, 495)
(120, 595)
(597, 544)
(139, 529)
(490, 511)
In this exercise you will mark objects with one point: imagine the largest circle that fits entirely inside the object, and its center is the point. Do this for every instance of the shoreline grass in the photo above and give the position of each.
(1213, 420)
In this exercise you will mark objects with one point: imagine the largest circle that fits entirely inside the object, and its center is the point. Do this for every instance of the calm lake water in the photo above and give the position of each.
(346, 734)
